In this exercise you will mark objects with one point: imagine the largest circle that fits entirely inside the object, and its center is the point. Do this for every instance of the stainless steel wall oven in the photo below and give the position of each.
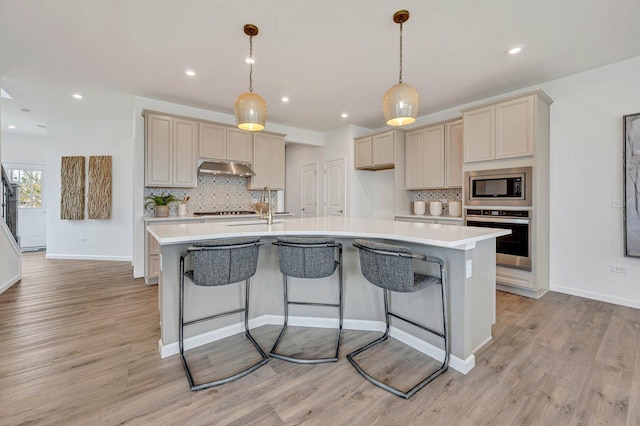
(512, 250)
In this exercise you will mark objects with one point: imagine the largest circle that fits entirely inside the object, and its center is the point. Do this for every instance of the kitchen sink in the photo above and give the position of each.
(252, 222)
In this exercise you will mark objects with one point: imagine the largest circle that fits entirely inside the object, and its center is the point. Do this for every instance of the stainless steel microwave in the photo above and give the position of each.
(501, 187)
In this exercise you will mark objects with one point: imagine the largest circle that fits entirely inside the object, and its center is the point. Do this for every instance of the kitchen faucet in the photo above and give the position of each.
(269, 212)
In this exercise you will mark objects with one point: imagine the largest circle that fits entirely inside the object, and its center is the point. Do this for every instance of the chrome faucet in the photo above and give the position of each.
(269, 216)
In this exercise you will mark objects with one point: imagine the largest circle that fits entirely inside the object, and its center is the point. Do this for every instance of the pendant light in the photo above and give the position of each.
(250, 108)
(400, 103)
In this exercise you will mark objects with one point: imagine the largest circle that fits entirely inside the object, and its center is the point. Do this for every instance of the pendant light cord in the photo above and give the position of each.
(250, 64)
(400, 79)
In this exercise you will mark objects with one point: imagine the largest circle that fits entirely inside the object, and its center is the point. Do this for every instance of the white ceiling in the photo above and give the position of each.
(328, 56)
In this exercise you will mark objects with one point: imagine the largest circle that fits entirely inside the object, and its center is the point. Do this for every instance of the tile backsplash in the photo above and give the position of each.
(214, 193)
(449, 194)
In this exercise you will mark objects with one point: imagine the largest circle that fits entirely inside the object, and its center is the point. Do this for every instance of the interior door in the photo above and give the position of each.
(309, 190)
(335, 192)
(32, 219)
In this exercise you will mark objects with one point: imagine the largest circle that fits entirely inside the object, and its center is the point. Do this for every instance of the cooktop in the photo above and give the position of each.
(224, 213)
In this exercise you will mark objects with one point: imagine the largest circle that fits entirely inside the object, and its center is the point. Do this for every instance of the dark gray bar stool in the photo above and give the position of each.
(216, 263)
(308, 257)
(391, 268)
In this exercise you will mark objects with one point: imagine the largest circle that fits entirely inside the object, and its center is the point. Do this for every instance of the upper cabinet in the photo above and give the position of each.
(170, 151)
(268, 164)
(504, 129)
(375, 152)
(433, 156)
(218, 142)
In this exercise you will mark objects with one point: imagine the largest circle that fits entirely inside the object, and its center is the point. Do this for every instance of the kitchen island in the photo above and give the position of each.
(468, 252)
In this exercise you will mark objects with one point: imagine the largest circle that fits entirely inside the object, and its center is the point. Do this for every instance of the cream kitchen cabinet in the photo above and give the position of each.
(170, 151)
(268, 161)
(433, 156)
(505, 129)
(219, 142)
(375, 152)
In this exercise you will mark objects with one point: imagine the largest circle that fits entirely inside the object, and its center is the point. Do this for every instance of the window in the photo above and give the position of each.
(30, 184)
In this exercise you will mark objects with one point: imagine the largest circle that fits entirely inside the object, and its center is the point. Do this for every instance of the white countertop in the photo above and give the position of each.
(429, 217)
(439, 235)
(191, 217)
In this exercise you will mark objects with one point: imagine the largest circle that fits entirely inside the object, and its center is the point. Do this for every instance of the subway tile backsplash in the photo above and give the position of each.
(212, 194)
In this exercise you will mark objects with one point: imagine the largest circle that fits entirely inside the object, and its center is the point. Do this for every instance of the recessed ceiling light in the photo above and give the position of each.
(344, 115)
(515, 50)
(77, 95)
(190, 73)
(250, 60)
(285, 99)
(11, 126)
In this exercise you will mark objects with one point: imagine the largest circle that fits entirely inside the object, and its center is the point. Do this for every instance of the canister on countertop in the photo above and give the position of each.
(455, 208)
(419, 207)
(435, 208)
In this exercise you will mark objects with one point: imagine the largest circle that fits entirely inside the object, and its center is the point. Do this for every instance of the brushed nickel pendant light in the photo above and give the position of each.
(250, 108)
(400, 103)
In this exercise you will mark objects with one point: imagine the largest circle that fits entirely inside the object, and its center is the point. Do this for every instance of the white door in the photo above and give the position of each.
(32, 220)
(309, 190)
(336, 186)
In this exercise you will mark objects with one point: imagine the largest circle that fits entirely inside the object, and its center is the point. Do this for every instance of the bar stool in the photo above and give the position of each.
(217, 263)
(391, 268)
(306, 257)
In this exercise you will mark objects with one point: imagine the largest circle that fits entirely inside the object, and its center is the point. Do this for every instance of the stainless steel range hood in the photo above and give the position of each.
(222, 168)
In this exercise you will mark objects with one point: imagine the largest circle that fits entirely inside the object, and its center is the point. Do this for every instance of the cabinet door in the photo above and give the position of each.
(515, 127)
(159, 150)
(239, 147)
(212, 141)
(362, 153)
(276, 158)
(434, 157)
(382, 149)
(479, 134)
(185, 155)
(453, 154)
(414, 156)
(261, 166)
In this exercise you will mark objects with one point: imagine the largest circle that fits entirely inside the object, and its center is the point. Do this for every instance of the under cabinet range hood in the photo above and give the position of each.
(223, 168)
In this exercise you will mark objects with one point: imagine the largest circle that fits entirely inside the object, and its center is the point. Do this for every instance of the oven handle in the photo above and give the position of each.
(498, 220)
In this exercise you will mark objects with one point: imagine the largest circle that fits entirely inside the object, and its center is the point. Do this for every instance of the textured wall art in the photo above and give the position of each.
(99, 194)
(72, 188)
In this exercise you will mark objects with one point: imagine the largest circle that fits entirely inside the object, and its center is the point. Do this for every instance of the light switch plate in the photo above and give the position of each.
(469, 268)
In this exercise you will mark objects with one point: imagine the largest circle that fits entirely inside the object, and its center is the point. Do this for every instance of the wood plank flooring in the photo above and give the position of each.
(79, 345)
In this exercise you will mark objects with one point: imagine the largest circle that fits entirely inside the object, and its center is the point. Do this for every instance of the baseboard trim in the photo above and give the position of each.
(458, 364)
(9, 283)
(596, 296)
(87, 257)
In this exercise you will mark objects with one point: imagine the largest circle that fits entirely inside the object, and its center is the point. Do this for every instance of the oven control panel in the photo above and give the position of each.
(499, 213)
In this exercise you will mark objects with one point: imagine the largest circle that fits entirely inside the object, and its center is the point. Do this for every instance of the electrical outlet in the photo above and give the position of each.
(469, 268)
(83, 239)
(619, 269)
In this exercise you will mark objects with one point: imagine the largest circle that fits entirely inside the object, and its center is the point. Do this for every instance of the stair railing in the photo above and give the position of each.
(10, 204)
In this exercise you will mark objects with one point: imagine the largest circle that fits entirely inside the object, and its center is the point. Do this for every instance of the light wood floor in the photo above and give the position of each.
(79, 345)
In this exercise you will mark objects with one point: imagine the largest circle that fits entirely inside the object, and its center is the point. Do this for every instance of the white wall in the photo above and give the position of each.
(587, 233)
(106, 239)
(10, 258)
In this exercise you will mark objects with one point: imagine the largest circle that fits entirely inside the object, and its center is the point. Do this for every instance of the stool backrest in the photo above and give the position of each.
(224, 261)
(385, 266)
(307, 257)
